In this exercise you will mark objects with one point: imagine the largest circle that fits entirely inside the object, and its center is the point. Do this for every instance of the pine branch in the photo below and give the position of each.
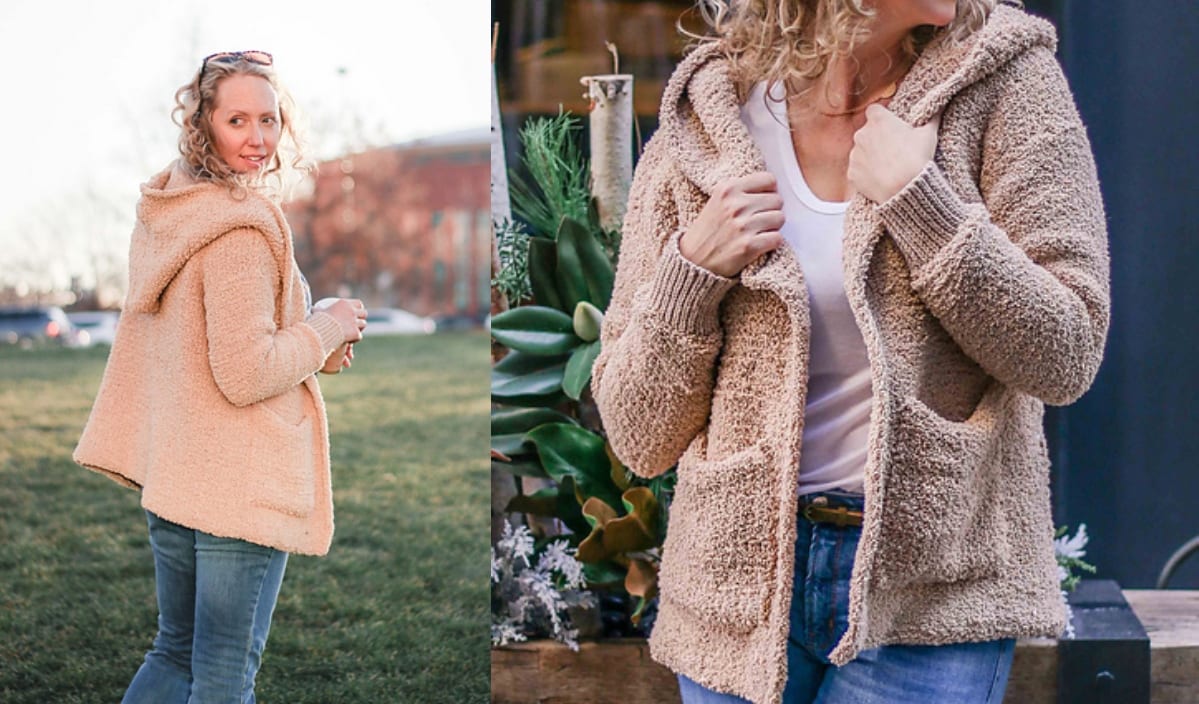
(560, 176)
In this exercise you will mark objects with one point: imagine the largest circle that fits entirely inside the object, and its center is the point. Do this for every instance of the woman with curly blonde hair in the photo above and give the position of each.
(863, 250)
(209, 403)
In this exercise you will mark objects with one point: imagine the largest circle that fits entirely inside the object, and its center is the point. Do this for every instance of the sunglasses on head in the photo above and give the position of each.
(255, 57)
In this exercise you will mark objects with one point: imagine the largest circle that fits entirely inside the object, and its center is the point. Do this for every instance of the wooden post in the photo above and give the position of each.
(611, 125)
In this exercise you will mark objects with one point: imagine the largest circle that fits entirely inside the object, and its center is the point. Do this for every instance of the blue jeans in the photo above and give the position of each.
(215, 600)
(961, 673)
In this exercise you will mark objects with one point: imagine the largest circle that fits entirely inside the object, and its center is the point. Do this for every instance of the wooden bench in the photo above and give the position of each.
(621, 671)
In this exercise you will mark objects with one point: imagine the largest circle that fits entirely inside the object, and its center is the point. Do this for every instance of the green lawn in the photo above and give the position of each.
(398, 610)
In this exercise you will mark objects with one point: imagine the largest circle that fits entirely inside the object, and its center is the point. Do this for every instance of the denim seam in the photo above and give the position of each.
(831, 622)
(995, 675)
(266, 568)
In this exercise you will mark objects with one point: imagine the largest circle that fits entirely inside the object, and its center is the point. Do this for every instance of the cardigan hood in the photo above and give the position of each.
(178, 216)
(700, 120)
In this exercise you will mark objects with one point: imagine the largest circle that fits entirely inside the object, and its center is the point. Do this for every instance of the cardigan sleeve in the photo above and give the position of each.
(251, 357)
(1020, 281)
(661, 334)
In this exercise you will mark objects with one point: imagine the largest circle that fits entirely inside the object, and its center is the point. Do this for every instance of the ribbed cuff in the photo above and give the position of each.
(923, 216)
(328, 329)
(685, 294)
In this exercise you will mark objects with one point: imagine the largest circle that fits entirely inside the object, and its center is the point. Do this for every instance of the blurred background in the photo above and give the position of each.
(392, 96)
(1124, 456)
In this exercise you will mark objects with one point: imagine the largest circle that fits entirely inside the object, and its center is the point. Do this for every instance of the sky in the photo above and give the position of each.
(88, 89)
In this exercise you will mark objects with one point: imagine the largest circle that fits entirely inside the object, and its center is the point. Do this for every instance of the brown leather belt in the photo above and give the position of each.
(817, 510)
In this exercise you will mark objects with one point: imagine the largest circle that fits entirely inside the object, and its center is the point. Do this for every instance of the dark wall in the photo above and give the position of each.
(1127, 455)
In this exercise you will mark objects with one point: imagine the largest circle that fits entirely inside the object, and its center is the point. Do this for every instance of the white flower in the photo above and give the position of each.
(505, 633)
(559, 557)
(1072, 547)
(526, 600)
(516, 542)
(1069, 634)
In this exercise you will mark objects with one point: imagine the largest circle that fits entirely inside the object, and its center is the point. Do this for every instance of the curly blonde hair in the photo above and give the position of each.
(194, 105)
(776, 40)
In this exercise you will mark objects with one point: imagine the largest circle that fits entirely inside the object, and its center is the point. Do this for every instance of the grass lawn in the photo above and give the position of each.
(398, 610)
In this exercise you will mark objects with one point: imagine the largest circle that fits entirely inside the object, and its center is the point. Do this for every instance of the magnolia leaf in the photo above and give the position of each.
(620, 475)
(597, 512)
(543, 274)
(641, 581)
(509, 446)
(521, 363)
(577, 374)
(581, 246)
(570, 451)
(536, 330)
(603, 574)
(635, 530)
(640, 501)
(572, 280)
(523, 468)
(627, 534)
(539, 383)
(522, 420)
(569, 510)
(592, 548)
(612, 535)
(514, 377)
(540, 503)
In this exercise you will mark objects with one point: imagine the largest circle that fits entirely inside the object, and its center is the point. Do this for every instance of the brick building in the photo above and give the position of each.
(404, 226)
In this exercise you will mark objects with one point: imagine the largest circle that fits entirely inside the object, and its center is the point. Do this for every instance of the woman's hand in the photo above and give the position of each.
(888, 153)
(340, 359)
(740, 222)
(350, 314)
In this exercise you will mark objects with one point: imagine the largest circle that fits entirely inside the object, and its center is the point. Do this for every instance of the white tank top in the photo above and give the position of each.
(837, 415)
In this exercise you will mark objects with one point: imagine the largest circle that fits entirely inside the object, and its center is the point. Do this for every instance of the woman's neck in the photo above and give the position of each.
(868, 74)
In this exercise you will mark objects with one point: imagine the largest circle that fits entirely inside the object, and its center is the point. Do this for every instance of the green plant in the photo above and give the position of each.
(544, 423)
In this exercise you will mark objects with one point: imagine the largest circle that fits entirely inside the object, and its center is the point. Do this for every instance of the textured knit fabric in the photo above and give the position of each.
(209, 402)
(836, 429)
(981, 291)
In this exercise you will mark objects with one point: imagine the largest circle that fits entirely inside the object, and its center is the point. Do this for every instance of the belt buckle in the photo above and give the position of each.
(840, 516)
(817, 502)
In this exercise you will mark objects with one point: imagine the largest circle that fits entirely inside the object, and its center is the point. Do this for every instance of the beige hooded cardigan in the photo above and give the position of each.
(981, 291)
(209, 403)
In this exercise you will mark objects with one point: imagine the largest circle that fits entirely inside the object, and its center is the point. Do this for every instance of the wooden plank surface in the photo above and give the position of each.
(1171, 618)
(620, 671)
(617, 670)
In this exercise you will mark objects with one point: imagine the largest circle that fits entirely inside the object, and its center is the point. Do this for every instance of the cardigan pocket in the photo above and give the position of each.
(944, 517)
(718, 558)
(287, 485)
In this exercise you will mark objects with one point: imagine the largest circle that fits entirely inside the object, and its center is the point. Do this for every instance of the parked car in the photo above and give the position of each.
(458, 321)
(35, 326)
(99, 327)
(395, 321)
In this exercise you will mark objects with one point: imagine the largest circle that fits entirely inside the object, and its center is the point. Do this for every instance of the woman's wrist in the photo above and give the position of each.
(685, 294)
(923, 216)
